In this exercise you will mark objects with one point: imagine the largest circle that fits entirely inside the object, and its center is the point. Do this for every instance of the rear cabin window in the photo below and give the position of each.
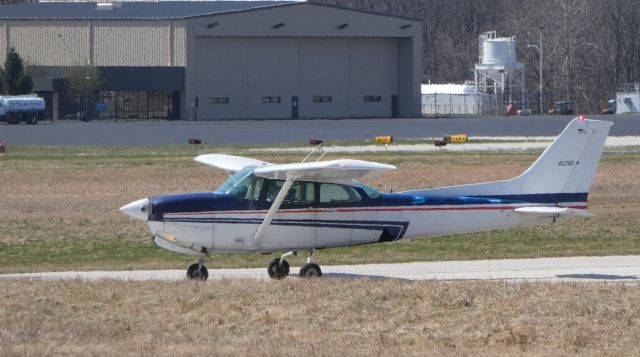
(332, 193)
(300, 192)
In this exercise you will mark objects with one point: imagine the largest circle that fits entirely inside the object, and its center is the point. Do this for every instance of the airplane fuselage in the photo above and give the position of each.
(214, 221)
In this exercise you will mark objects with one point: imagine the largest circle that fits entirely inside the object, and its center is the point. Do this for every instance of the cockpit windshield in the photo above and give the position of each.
(370, 191)
(243, 185)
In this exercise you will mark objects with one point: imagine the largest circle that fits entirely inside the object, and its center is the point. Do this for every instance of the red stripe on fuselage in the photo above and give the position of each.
(388, 209)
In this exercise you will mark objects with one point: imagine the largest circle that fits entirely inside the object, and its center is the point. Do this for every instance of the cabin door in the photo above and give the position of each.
(294, 226)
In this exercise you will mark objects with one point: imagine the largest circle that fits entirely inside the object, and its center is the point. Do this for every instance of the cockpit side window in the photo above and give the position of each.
(253, 193)
(300, 192)
(248, 189)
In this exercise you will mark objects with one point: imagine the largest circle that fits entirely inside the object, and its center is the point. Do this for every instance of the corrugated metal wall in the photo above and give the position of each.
(102, 43)
(139, 43)
(179, 43)
(54, 43)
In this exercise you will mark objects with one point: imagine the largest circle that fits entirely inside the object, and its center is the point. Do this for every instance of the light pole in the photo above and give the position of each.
(539, 49)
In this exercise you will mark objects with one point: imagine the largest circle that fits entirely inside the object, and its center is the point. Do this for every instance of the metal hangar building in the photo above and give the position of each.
(204, 60)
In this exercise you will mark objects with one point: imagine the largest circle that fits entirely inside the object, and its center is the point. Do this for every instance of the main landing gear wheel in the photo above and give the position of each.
(197, 271)
(310, 270)
(33, 119)
(278, 269)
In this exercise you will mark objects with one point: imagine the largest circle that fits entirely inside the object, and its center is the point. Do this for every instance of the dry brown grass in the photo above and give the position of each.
(91, 194)
(319, 317)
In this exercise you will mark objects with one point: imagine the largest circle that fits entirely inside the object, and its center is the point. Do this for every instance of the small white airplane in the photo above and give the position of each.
(267, 208)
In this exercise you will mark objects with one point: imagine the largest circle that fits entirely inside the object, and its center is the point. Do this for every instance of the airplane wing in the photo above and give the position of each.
(229, 163)
(325, 170)
(554, 211)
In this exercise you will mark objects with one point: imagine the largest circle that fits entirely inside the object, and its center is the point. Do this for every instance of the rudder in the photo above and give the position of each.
(569, 164)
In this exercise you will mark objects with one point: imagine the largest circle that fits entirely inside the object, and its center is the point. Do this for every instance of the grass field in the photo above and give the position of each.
(59, 208)
(330, 317)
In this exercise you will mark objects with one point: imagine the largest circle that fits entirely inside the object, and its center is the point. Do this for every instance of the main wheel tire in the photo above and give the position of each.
(11, 119)
(33, 119)
(310, 270)
(277, 270)
(196, 273)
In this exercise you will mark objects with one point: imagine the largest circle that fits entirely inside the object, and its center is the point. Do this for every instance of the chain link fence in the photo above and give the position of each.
(484, 104)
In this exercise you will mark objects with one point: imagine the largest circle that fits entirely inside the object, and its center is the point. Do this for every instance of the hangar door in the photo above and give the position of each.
(256, 78)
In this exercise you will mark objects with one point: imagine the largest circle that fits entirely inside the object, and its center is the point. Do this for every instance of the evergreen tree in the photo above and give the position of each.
(25, 84)
(15, 80)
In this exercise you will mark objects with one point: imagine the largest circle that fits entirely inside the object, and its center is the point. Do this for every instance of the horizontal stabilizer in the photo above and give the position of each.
(554, 211)
(325, 170)
(229, 163)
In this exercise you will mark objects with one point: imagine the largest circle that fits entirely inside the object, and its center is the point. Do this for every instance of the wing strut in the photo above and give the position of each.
(275, 206)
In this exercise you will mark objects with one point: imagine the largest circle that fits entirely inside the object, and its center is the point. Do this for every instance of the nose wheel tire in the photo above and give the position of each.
(278, 269)
(310, 270)
(197, 272)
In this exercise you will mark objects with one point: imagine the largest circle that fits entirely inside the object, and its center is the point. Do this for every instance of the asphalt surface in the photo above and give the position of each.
(110, 133)
(582, 269)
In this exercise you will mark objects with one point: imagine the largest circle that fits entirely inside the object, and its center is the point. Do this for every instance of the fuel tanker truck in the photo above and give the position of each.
(21, 108)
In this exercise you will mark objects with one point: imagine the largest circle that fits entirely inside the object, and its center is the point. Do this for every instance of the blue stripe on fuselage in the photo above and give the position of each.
(395, 229)
(543, 197)
(401, 199)
(215, 201)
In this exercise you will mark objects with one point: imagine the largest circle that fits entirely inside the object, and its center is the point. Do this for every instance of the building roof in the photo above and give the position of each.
(129, 9)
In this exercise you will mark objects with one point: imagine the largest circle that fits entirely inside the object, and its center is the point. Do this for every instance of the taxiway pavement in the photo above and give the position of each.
(583, 269)
(154, 132)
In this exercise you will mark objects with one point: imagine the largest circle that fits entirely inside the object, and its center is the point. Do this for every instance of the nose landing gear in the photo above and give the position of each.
(278, 269)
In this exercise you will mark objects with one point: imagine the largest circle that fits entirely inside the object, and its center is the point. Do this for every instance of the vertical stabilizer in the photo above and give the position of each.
(568, 165)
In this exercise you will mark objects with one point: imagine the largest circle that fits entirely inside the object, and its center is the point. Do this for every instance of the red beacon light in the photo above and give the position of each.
(581, 117)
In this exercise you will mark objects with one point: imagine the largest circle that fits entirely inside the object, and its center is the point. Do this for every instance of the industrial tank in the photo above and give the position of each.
(499, 52)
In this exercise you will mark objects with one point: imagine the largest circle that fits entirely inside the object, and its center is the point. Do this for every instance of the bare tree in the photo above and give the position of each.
(590, 46)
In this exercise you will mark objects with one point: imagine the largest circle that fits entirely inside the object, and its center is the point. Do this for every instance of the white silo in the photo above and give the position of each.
(498, 71)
